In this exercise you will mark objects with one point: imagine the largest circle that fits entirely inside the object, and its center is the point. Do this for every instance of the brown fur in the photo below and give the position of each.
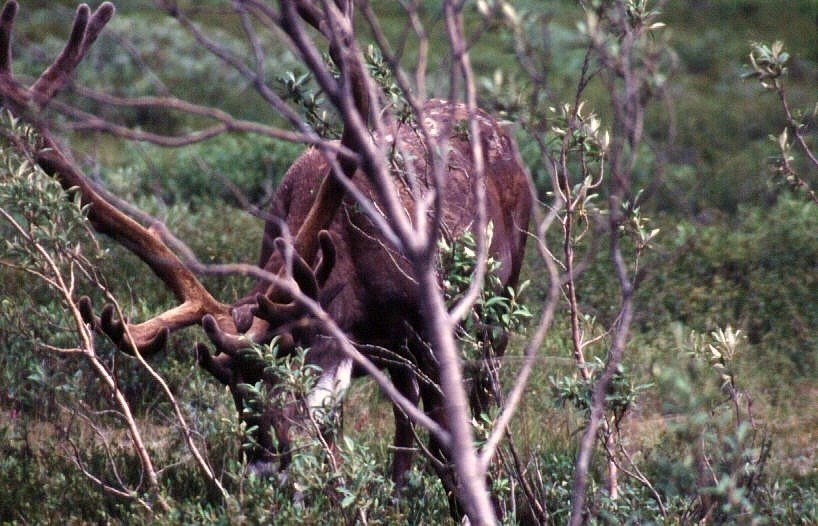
(370, 292)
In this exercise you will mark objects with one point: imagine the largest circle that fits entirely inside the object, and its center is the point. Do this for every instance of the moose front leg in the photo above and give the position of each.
(325, 397)
(267, 423)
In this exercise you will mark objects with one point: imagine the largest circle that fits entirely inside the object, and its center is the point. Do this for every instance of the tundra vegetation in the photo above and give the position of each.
(655, 361)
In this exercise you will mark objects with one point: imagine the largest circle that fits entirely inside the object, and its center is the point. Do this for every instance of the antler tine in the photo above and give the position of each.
(57, 73)
(150, 336)
(98, 21)
(269, 309)
(275, 307)
(276, 314)
(6, 25)
(331, 192)
(309, 281)
(146, 339)
(110, 325)
(256, 320)
(87, 311)
(243, 316)
(218, 366)
(83, 34)
(230, 344)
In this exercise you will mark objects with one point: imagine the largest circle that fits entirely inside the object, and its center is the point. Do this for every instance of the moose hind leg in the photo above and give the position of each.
(484, 392)
(484, 381)
(434, 407)
(404, 380)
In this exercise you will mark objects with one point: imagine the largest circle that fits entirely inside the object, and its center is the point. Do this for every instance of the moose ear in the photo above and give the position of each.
(302, 273)
(324, 268)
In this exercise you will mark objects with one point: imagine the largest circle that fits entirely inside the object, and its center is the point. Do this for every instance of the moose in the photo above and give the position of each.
(324, 242)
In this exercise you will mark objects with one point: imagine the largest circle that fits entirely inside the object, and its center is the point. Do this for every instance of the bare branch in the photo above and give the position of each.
(454, 24)
(514, 397)
(86, 121)
(180, 418)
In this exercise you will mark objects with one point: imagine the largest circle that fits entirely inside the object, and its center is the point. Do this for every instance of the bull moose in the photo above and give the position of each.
(325, 231)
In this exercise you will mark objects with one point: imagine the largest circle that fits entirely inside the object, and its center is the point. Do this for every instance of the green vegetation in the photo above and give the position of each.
(716, 397)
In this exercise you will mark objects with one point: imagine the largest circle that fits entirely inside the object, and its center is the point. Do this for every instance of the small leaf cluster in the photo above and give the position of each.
(720, 352)
(496, 311)
(583, 130)
(352, 485)
(35, 209)
(505, 95)
(768, 63)
(300, 90)
(781, 162)
(768, 66)
(491, 9)
(638, 13)
(574, 390)
(293, 378)
(636, 225)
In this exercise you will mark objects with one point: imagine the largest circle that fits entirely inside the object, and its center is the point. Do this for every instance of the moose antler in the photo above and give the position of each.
(84, 32)
(194, 299)
(196, 304)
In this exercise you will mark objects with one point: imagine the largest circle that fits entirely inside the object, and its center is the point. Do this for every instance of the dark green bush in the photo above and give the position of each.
(757, 272)
(222, 167)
